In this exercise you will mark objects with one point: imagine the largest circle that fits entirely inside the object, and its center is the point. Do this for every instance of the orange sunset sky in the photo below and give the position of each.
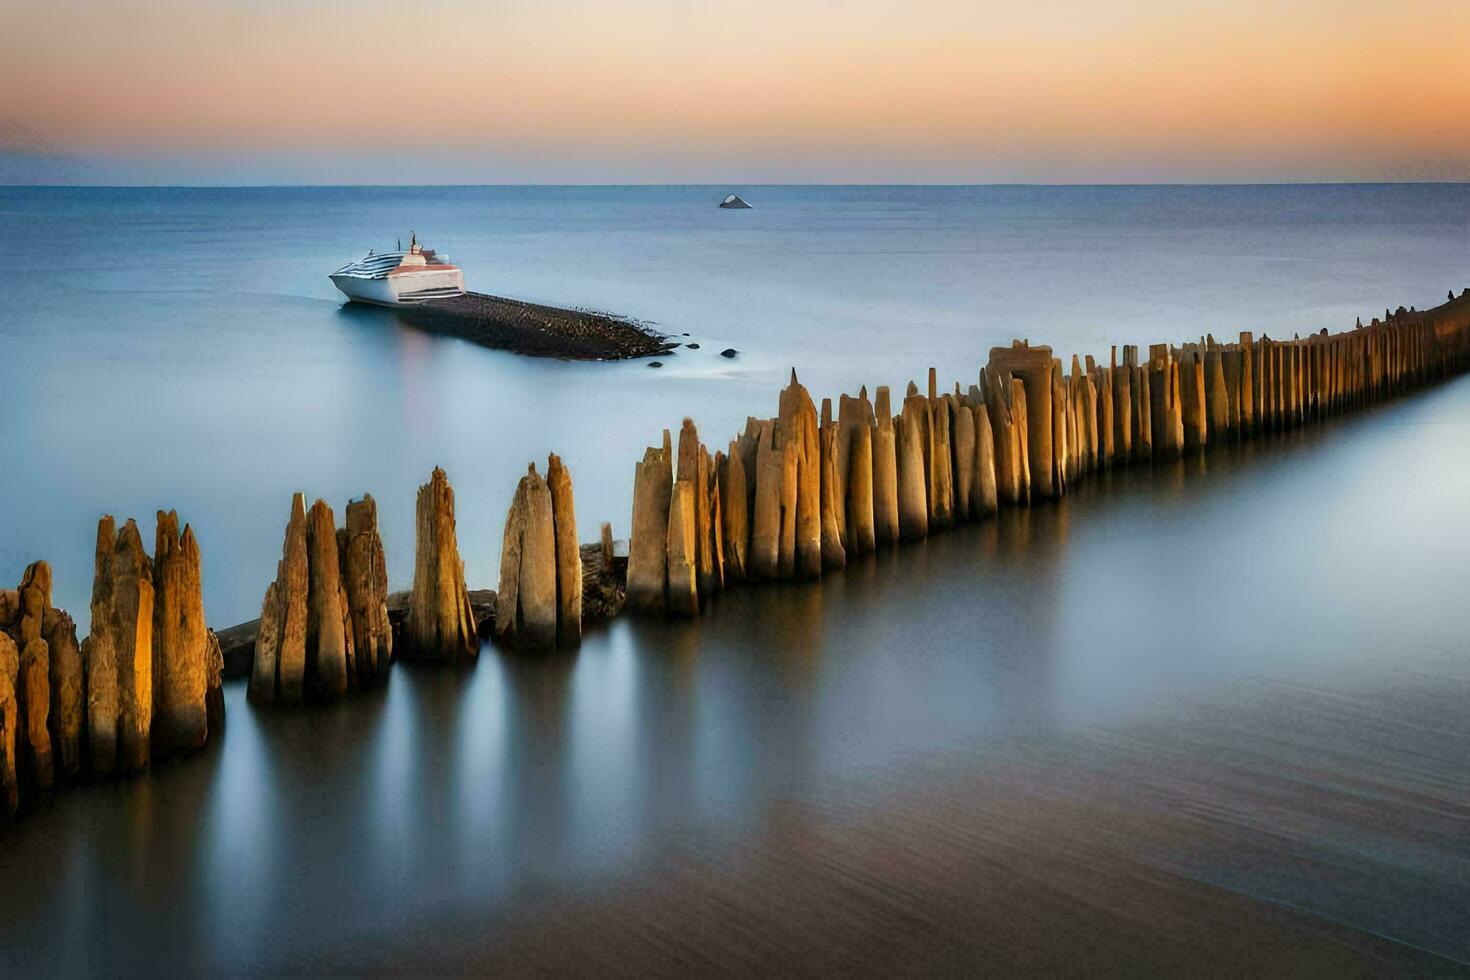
(762, 90)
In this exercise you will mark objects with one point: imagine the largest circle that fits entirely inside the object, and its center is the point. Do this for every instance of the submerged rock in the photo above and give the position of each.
(692, 346)
(729, 352)
(655, 364)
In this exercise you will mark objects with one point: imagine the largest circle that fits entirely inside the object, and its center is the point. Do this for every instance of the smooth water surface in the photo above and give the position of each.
(1219, 649)
(1213, 713)
(183, 348)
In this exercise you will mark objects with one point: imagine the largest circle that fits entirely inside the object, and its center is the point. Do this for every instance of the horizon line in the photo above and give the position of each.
(1312, 182)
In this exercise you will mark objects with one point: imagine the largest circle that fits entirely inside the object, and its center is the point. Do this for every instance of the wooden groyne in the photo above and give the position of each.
(146, 682)
(805, 491)
(788, 499)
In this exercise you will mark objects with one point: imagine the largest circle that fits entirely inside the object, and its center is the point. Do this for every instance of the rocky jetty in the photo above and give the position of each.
(535, 330)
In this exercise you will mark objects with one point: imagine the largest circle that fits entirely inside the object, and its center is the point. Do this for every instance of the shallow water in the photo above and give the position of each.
(1213, 713)
(183, 347)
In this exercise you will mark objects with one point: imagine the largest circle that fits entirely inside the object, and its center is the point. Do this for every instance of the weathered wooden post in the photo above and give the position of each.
(327, 633)
(861, 531)
(1032, 367)
(10, 723)
(365, 577)
(568, 554)
(798, 416)
(1008, 451)
(984, 497)
(440, 620)
(119, 651)
(963, 437)
(1104, 424)
(735, 519)
(1248, 385)
(941, 463)
(683, 597)
(833, 554)
(766, 522)
(913, 496)
(68, 691)
(653, 481)
(886, 530)
(1123, 401)
(180, 641)
(526, 600)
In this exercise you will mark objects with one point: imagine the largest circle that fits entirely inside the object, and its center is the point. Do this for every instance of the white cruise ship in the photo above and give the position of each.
(399, 278)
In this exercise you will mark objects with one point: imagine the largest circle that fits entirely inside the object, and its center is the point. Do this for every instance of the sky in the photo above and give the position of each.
(759, 91)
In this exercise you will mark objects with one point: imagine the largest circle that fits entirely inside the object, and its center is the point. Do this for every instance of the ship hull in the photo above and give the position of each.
(408, 289)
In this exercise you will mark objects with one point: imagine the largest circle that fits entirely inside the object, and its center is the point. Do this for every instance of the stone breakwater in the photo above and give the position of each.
(789, 498)
(536, 330)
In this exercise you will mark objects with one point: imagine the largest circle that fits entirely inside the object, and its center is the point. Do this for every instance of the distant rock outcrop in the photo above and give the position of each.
(733, 201)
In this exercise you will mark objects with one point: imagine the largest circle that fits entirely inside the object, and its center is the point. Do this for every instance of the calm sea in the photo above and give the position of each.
(1215, 713)
(183, 348)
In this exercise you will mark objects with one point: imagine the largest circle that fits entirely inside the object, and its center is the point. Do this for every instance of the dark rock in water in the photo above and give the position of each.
(692, 346)
(683, 335)
(733, 201)
(533, 329)
(655, 363)
(729, 352)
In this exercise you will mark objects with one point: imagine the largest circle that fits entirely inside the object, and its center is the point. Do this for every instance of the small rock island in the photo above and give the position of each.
(733, 201)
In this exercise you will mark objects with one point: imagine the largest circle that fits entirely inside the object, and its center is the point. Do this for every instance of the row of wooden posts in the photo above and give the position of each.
(792, 496)
(806, 490)
(145, 683)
